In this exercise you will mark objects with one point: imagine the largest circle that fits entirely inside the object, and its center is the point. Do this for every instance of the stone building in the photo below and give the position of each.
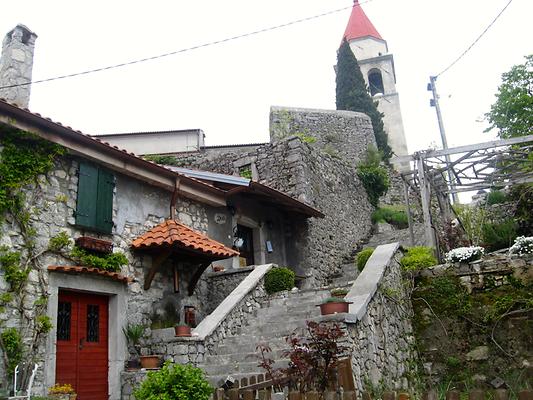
(312, 156)
(377, 67)
(171, 226)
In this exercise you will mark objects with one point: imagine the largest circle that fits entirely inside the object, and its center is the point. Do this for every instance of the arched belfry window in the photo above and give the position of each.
(375, 82)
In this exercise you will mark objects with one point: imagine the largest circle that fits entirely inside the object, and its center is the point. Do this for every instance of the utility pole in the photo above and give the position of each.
(434, 102)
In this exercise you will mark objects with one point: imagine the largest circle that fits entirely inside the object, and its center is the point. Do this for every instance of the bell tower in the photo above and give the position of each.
(377, 67)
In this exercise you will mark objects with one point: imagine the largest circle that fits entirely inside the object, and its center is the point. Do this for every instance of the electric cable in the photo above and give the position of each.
(187, 49)
(475, 41)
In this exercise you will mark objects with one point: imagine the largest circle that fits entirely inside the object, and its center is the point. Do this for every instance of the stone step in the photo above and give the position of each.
(218, 380)
(218, 359)
(277, 329)
(239, 367)
(286, 311)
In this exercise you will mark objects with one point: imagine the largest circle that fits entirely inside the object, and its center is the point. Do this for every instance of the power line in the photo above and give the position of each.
(199, 46)
(475, 41)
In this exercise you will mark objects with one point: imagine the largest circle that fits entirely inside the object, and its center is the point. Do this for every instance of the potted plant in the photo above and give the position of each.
(134, 333)
(62, 392)
(334, 305)
(152, 361)
(182, 330)
(338, 292)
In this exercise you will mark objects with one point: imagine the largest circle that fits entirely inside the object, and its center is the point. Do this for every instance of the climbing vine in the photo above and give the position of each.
(24, 158)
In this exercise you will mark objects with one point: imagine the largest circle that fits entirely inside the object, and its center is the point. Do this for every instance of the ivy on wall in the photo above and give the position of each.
(23, 158)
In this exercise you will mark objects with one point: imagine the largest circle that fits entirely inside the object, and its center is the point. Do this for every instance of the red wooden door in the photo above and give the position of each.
(82, 344)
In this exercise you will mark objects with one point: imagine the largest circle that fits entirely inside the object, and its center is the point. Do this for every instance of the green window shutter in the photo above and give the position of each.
(104, 202)
(87, 194)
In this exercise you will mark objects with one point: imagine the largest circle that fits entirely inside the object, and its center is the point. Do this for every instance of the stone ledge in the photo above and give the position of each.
(231, 271)
(366, 284)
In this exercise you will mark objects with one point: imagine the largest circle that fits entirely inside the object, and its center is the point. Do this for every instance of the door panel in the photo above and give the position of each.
(82, 344)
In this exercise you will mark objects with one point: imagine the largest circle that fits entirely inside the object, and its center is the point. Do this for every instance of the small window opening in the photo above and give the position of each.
(375, 82)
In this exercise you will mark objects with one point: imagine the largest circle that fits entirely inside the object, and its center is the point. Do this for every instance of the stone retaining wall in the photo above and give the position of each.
(381, 339)
(227, 319)
(492, 271)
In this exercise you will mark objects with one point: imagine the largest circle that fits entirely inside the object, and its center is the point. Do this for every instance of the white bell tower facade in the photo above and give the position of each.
(377, 67)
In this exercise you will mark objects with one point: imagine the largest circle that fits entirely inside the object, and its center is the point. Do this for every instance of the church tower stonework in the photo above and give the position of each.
(377, 67)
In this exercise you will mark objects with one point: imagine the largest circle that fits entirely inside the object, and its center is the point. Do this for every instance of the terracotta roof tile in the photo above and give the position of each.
(92, 271)
(172, 232)
(359, 25)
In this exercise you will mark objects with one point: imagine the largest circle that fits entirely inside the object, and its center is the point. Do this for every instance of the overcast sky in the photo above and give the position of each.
(227, 90)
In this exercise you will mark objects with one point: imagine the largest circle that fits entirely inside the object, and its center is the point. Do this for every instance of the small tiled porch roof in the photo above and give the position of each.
(174, 238)
(175, 234)
(74, 269)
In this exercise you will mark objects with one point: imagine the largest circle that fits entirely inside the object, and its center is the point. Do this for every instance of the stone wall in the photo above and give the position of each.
(136, 208)
(16, 65)
(473, 322)
(342, 134)
(492, 271)
(382, 340)
(220, 284)
(312, 158)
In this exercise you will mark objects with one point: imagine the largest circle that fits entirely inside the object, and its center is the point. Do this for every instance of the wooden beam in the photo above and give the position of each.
(426, 205)
(467, 148)
(409, 215)
(196, 277)
(156, 263)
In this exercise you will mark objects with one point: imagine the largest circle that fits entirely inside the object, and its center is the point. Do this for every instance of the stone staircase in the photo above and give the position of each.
(276, 319)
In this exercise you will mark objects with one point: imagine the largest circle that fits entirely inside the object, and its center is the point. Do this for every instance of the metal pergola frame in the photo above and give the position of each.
(474, 167)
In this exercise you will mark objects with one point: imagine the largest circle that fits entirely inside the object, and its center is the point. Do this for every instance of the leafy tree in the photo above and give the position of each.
(512, 116)
(512, 113)
(352, 95)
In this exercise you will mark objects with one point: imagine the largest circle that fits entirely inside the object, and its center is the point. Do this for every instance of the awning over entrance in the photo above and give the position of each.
(174, 238)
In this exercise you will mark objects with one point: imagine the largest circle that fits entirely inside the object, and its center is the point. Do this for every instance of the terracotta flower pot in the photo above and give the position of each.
(334, 307)
(150, 362)
(182, 330)
(63, 396)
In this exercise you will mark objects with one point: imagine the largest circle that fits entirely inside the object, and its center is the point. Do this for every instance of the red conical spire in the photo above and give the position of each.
(359, 25)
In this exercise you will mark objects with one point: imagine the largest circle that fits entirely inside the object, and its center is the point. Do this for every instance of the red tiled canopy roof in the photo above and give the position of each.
(91, 271)
(359, 25)
(174, 233)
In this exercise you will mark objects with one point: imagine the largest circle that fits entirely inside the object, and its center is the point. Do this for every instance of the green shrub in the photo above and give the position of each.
(107, 262)
(174, 381)
(418, 257)
(496, 197)
(373, 175)
(391, 215)
(278, 279)
(363, 256)
(498, 236)
(12, 347)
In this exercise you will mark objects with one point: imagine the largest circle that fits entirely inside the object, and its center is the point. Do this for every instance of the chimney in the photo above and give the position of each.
(16, 64)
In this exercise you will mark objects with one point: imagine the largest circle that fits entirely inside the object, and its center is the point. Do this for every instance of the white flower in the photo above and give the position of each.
(465, 254)
(522, 245)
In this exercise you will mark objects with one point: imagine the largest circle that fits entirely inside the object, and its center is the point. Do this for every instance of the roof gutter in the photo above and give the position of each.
(112, 157)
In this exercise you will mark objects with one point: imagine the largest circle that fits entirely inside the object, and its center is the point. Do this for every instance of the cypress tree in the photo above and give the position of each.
(352, 95)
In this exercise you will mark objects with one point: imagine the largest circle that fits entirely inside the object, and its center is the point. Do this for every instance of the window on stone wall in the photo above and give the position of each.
(375, 82)
(95, 198)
